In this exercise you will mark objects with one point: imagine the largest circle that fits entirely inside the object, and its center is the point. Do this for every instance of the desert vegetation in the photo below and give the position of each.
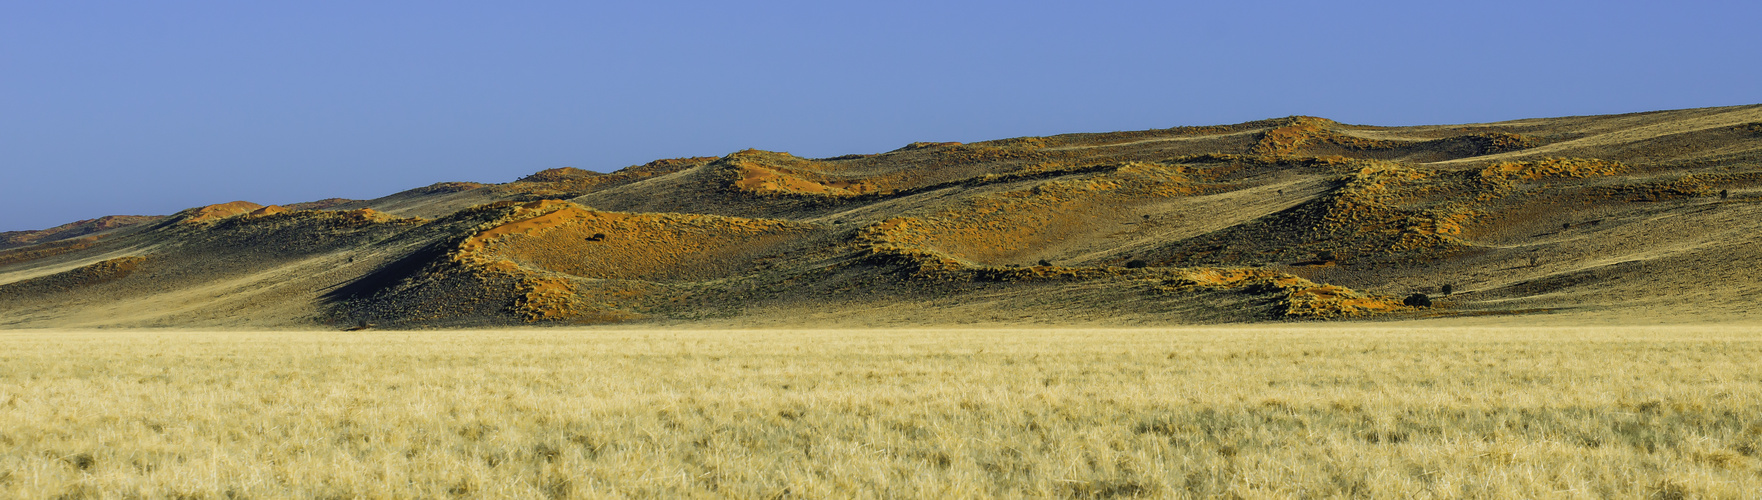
(1353, 410)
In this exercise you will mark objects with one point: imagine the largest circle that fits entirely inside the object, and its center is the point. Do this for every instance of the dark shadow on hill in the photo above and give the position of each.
(386, 276)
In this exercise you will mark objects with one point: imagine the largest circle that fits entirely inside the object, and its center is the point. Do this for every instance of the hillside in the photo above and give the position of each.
(1646, 215)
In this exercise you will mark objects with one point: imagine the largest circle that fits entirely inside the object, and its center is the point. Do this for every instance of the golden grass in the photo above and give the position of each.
(1387, 411)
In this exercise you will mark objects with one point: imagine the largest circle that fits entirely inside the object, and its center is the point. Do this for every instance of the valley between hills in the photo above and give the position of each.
(1620, 218)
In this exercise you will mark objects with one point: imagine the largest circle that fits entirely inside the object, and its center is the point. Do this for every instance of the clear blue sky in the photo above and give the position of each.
(152, 107)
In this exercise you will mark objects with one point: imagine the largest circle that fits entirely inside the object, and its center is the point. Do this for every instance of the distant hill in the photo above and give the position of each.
(15, 239)
(1646, 215)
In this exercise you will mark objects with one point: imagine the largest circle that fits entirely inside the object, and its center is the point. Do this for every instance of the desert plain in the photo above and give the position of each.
(1430, 410)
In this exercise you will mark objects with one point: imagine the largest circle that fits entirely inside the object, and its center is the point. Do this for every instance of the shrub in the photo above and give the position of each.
(1487, 143)
(1044, 262)
(1417, 300)
(1447, 289)
(1136, 264)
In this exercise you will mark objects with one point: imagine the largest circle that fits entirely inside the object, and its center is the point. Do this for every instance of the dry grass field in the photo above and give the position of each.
(1414, 410)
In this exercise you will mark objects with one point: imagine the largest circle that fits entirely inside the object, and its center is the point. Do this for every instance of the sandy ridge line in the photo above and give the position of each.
(27, 273)
(1165, 139)
(1626, 136)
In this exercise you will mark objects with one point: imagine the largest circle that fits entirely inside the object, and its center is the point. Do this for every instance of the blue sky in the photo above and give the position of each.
(152, 107)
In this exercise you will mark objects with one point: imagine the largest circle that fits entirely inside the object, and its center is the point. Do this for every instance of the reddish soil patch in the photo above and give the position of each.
(219, 211)
(14, 239)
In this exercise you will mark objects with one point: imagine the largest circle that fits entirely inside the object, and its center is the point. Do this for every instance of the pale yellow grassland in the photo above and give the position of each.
(1366, 410)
